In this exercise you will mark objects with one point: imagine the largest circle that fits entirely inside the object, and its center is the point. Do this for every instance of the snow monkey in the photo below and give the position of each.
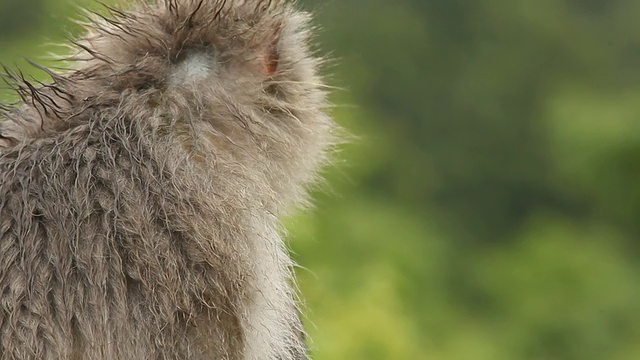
(141, 188)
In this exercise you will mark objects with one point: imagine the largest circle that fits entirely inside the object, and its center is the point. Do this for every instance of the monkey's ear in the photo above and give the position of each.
(4, 143)
(7, 142)
(271, 56)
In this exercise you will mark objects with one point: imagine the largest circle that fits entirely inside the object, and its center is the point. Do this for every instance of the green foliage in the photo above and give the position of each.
(488, 208)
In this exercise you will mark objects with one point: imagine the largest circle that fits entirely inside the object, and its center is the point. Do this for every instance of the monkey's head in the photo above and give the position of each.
(236, 77)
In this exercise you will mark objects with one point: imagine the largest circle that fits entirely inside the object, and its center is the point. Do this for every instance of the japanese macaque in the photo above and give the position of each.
(141, 189)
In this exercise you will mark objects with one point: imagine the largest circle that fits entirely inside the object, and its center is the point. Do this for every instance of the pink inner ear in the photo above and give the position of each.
(271, 61)
(272, 57)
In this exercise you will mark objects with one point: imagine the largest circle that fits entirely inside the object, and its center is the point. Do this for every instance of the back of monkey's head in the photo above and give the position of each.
(235, 79)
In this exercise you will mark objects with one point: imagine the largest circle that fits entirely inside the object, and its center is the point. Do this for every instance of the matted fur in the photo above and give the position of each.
(141, 190)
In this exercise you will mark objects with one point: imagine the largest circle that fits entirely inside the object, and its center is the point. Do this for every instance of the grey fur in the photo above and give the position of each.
(141, 190)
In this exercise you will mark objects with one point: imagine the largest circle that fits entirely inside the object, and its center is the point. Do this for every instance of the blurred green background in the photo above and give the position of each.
(488, 208)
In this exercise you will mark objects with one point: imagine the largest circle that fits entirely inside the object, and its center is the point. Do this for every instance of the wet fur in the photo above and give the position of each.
(141, 190)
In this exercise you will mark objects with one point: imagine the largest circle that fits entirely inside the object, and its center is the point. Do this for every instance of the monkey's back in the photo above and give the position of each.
(108, 245)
